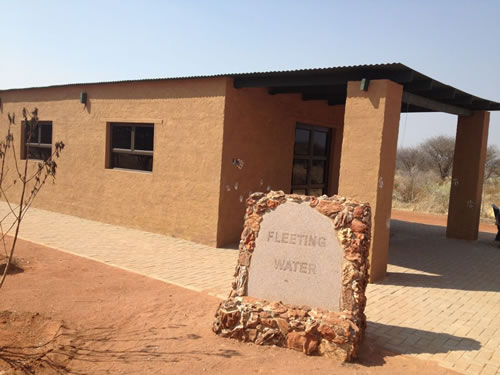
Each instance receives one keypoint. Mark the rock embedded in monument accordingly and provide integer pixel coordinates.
(301, 275)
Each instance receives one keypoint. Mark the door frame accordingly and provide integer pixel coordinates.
(310, 157)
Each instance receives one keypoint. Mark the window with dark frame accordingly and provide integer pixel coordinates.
(311, 157)
(37, 140)
(132, 146)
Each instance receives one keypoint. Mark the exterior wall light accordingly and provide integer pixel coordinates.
(364, 84)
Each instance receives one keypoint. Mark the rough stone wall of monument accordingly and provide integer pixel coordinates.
(311, 330)
(180, 197)
(259, 129)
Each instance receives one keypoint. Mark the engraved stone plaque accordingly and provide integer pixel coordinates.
(297, 258)
(301, 275)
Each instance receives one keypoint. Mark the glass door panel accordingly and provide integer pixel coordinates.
(311, 160)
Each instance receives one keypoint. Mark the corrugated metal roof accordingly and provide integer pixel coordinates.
(233, 75)
(112, 82)
(306, 80)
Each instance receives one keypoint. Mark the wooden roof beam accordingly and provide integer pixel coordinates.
(336, 102)
(433, 105)
(284, 90)
(291, 80)
(422, 85)
(481, 104)
(462, 100)
(323, 97)
(325, 90)
(448, 93)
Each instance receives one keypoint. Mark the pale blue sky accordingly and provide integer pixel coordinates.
(456, 42)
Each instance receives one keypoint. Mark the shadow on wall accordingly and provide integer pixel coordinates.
(402, 340)
(430, 260)
(374, 99)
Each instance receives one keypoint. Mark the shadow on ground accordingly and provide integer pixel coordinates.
(403, 340)
(448, 263)
(13, 269)
(70, 350)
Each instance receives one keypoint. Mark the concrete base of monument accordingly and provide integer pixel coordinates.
(304, 251)
(311, 331)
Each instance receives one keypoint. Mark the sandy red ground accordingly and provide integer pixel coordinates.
(69, 315)
(433, 219)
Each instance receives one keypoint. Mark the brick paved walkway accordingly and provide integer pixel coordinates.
(440, 300)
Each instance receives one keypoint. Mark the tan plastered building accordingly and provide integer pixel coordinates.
(180, 156)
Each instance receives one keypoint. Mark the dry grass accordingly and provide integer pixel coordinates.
(491, 195)
(425, 192)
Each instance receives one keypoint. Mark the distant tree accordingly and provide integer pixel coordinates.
(419, 169)
(410, 160)
(440, 151)
(492, 164)
(30, 176)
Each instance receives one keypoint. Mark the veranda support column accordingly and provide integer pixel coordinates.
(368, 159)
(467, 176)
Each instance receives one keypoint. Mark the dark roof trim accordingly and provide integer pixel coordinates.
(330, 84)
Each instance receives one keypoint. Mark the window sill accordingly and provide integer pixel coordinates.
(131, 170)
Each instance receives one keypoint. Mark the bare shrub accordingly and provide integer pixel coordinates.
(423, 173)
(492, 164)
(30, 176)
(440, 151)
(491, 195)
(411, 160)
(407, 187)
(435, 197)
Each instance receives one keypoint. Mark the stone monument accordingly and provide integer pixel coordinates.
(301, 275)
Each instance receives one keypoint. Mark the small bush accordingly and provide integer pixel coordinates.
(407, 188)
(491, 195)
(423, 174)
(435, 197)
